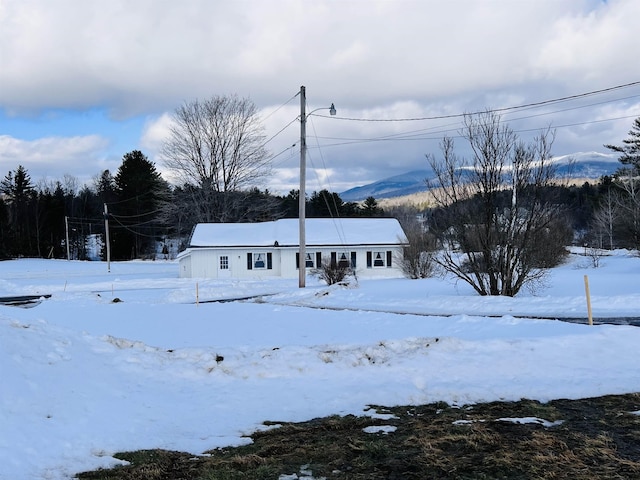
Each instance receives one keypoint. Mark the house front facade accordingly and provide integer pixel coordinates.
(371, 246)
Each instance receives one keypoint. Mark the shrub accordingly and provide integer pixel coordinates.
(332, 272)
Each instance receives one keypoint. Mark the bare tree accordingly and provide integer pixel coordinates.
(216, 144)
(628, 205)
(495, 219)
(417, 256)
(216, 150)
(604, 220)
(628, 179)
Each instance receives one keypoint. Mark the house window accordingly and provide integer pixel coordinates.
(309, 261)
(343, 259)
(259, 261)
(379, 259)
(224, 262)
(312, 259)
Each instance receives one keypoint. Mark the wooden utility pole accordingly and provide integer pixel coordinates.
(66, 228)
(106, 237)
(302, 201)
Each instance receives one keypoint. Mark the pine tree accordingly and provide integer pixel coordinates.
(139, 189)
(630, 150)
(20, 195)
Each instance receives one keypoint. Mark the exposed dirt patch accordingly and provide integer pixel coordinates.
(577, 439)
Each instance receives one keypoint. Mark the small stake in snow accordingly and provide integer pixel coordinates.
(586, 289)
(197, 295)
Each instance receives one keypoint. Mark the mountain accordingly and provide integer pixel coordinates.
(581, 165)
(396, 186)
(588, 165)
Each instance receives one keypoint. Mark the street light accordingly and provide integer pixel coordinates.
(302, 260)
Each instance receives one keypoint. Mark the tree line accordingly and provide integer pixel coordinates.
(59, 218)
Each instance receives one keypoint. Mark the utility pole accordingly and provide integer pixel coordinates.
(106, 234)
(66, 228)
(302, 201)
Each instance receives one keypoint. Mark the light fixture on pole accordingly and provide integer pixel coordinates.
(302, 200)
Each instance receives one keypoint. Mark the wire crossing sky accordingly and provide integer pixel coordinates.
(84, 83)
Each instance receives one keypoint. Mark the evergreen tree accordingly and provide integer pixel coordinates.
(290, 204)
(105, 187)
(4, 230)
(139, 190)
(325, 204)
(19, 196)
(630, 150)
(370, 208)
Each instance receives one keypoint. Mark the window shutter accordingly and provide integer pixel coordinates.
(318, 259)
(297, 259)
(249, 261)
(334, 259)
(388, 258)
(369, 260)
(269, 261)
(353, 259)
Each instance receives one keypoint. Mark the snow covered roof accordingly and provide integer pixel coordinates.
(318, 231)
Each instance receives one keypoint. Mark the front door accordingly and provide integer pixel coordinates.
(223, 267)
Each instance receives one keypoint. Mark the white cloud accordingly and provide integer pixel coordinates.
(156, 130)
(136, 57)
(53, 157)
(373, 59)
(593, 45)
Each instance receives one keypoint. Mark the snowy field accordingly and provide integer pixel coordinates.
(84, 377)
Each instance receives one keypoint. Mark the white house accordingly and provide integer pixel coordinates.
(371, 246)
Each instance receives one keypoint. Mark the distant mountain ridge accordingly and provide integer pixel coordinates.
(587, 165)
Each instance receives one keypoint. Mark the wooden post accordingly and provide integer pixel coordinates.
(106, 239)
(66, 229)
(197, 295)
(586, 289)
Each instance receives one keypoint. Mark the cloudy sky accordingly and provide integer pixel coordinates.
(82, 82)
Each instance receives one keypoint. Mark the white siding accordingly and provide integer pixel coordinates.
(203, 261)
(185, 266)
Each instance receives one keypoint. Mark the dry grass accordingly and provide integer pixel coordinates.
(598, 438)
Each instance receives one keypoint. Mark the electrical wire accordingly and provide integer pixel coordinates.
(281, 106)
(335, 219)
(130, 227)
(135, 216)
(494, 110)
(433, 134)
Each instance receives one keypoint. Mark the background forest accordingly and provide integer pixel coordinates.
(145, 213)
(216, 151)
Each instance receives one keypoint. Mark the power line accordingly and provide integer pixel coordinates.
(493, 110)
(129, 228)
(437, 135)
(279, 132)
(281, 106)
(145, 214)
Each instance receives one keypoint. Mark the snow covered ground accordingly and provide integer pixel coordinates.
(83, 377)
